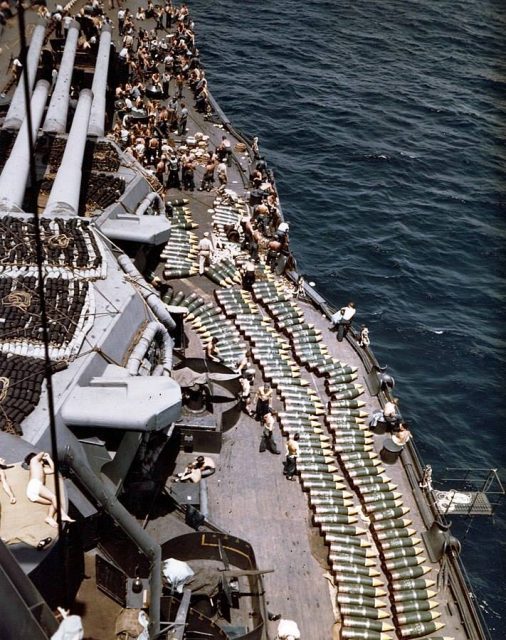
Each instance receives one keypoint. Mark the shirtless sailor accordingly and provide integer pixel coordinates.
(40, 464)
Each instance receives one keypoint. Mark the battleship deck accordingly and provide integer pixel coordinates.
(249, 497)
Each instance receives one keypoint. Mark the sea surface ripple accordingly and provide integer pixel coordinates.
(384, 123)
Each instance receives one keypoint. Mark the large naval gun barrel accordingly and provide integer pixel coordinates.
(15, 172)
(56, 117)
(64, 195)
(17, 108)
(97, 117)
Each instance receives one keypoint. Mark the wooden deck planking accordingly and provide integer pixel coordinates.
(272, 514)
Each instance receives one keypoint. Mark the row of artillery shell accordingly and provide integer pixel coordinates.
(219, 276)
(344, 404)
(348, 567)
(411, 631)
(208, 321)
(382, 503)
(402, 560)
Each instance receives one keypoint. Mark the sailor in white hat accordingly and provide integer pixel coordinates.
(205, 249)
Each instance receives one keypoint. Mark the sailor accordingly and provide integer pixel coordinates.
(224, 150)
(282, 232)
(160, 170)
(364, 340)
(188, 174)
(342, 320)
(274, 248)
(183, 119)
(57, 17)
(263, 400)
(245, 394)
(121, 20)
(222, 173)
(208, 179)
(254, 148)
(300, 290)
(262, 218)
(390, 414)
(190, 474)
(205, 250)
(402, 436)
(168, 15)
(256, 180)
(179, 85)
(40, 465)
(71, 627)
(211, 351)
(267, 441)
(248, 277)
(173, 178)
(261, 166)
(292, 451)
(247, 229)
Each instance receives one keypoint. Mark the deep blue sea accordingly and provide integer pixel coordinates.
(385, 124)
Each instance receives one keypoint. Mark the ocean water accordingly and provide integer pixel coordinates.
(384, 122)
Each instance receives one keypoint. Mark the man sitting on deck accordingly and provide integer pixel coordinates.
(201, 467)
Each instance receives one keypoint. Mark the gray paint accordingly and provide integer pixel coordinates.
(67, 185)
(97, 117)
(56, 118)
(17, 109)
(16, 169)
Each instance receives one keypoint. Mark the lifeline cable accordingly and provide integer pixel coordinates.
(43, 313)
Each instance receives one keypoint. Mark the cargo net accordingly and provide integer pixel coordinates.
(70, 309)
(20, 388)
(68, 246)
(373, 551)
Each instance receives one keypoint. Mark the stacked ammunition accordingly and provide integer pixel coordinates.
(105, 157)
(20, 390)
(70, 304)
(223, 273)
(402, 559)
(181, 251)
(351, 557)
(67, 246)
(363, 613)
(325, 461)
(227, 215)
(209, 322)
(181, 217)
